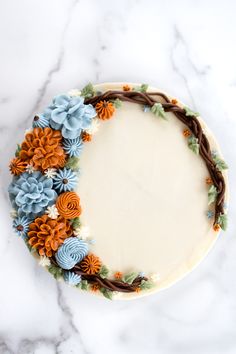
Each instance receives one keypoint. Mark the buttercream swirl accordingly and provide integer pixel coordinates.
(71, 252)
(68, 205)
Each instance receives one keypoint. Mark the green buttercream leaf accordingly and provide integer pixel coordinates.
(212, 194)
(190, 113)
(107, 293)
(117, 103)
(73, 163)
(104, 271)
(30, 248)
(130, 277)
(146, 284)
(55, 271)
(18, 149)
(223, 221)
(83, 285)
(88, 91)
(142, 88)
(75, 223)
(193, 144)
(158, 110)
(220, 164)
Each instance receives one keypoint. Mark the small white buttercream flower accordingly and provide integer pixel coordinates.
(44, 261)
(93, 127)
(52, 212)
(74, 93)
(50, 172)
(82, 232)
(30, 169)
(155, 277)
(13, 213)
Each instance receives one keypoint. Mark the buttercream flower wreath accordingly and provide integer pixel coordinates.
(45, 172)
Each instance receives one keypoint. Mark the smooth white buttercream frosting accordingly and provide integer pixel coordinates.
(144, 196)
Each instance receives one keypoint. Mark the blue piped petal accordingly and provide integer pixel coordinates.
(71, 252)
(72, 278)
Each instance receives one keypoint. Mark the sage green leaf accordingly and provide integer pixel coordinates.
(220, 164)
(190, 113)
(130, 277)
(146, 284)
(88, 91)
(55, 271)
(223, 221)
(117, 103)
(142, 88)
(193, 144)
(83, 285)
(30, 248)
(107, 293)
(73, 163)
(18, 149)
(104, 271)
(212, 194)
(75, 223)
(158, 110)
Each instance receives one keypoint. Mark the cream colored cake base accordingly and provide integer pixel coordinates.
(144, 196)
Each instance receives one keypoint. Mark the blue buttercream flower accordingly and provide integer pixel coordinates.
(21, 226)
(73, 147)
(40, 121)
(70, 115)
(210, 214)
(72, 278)
(71, 252)
(65, 180)
(31, 193)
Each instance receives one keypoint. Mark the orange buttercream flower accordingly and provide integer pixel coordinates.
(105, 110)
(216, 227)
(17, 166)
(86, 137)
(186, 133)
(91, 264)
(209, 181)
(68, 205)
(95, 287)
(46, 234)
(174, 101)
(42, 149)
(118, 275)
(126, 88)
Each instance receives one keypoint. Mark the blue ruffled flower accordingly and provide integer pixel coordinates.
(30, 194)
(71, 252)
(72, 278)
(65, 180)
(70, 115)
(73, 147)
(21, 226)
(40, 121)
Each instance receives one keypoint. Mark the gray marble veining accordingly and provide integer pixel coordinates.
(184, 47)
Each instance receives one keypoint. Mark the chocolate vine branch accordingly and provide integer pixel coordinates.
(193, 124)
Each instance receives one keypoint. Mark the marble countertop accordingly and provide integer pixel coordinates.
(187, 48)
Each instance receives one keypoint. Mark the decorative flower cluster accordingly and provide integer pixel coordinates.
(45, 174)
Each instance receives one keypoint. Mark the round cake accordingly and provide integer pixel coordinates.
(119, 189)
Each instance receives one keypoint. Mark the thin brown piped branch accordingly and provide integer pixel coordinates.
(193, 124)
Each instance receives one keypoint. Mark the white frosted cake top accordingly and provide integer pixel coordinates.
(144, 195)
(150, 184)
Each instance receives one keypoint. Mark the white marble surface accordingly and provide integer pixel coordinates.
(184, 47)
